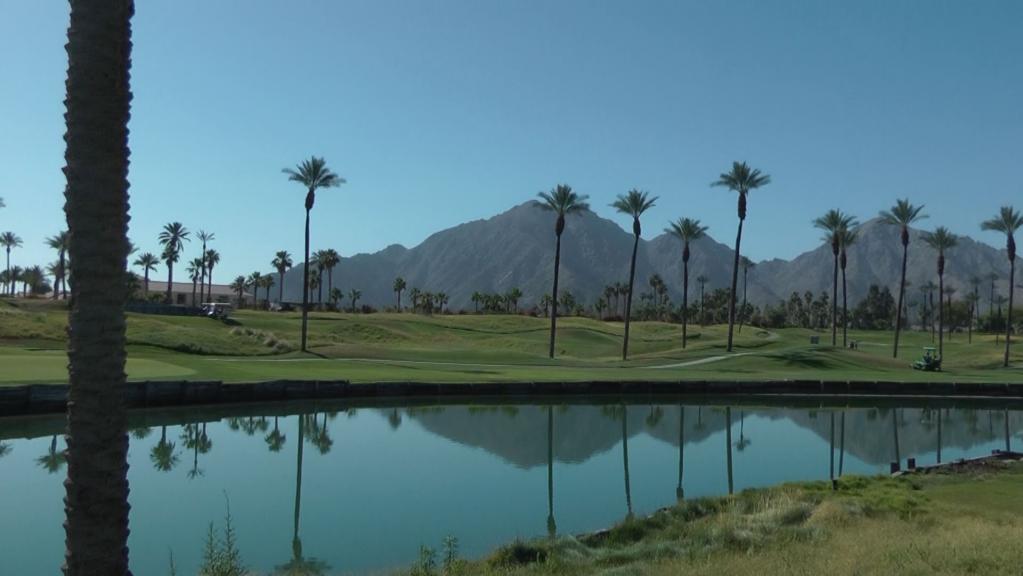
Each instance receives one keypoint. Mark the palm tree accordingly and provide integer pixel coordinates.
(746, 264)
(238, 286)
(354, 296)
(281, 263)
(635, 203)
(513, 296)
(313, 174)
(835, 224)
(59, 242)
(212, 259)
(331, 258)
(255, 281)
(442, 301)
(398, 287)
(476, 299)
(268, 283)
(10, 240)
(1007, 222)
(702, 281)
(741, 179)
(54, 459)
(148, 262)
(275, 439)
(163, 454)
(941, 240)
(96, 169)
(993, 277)
(172, 238)
(414, 295)
(687, 230)
(903, 215)
(846, 239)
(319, 259)
(927, 293)
(562, 201)
(204, 237)
(195, 272)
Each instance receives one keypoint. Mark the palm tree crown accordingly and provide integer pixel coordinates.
(835, 223)
(1007, 222)
(940, 240)
(742, 179)
(563, 201)
(634, 203)
(903, 215)
(173, 236)
(313, 174)
(687, 229)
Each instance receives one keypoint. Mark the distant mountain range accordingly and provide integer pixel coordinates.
(516, 249)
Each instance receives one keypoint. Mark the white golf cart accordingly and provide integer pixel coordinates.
(217, 310)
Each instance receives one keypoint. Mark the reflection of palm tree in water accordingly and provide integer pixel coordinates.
(939, 435)
(895, 429)
(53, 460)
(552, 527)
(728, 446)
(679, 492)
(162, 455)
(141, 433)
(625, 459)
(394, 419)
(321, 435)
(4, 449)
(191, 440)
(841, 448)
(275, 439)
(743, 440)
(300, 565)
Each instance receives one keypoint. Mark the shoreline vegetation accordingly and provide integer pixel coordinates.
(957, 519)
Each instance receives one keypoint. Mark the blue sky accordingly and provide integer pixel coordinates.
(445, 111)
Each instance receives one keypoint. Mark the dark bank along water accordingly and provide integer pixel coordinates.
(360, 490)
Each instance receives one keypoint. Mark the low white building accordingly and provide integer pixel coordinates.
(181, 294)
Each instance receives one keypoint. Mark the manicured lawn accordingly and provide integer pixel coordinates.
(963, 523)
(469, 348)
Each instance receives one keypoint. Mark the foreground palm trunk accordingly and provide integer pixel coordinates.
(628, 297)
(98, 107)
(902, 292)
(685, 295)
(559, 228)
(735, 273)
(1008, 323)
(305, 271)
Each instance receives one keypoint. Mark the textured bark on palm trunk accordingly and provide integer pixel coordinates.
(98, 107)
(554, 297)
(305, 274)
(628, 297)
(685, 295)
(1008, 323)
(941, 309)
(834, 302)
(735, 283)
(902, 294)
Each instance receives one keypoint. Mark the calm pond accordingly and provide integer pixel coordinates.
(359, 490)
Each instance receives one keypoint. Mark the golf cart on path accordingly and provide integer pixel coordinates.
(931, 362)
(217, 310)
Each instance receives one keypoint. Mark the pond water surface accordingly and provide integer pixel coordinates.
(359, 490)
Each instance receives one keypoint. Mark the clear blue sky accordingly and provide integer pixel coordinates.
(444, 111)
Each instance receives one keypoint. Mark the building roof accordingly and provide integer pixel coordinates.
(186, 288)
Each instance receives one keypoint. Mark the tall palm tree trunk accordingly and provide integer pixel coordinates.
(551, 526)
(145, 283)
(305, 276)
(731, 296)
(941, 318)
(845, 311)
(742, 310)
(280, 289)
(296, 543)
(679, 490)
(1008, 323)
(902, 295)
(685, 301)
(628, 298)
(10, 280)
(98, 104)
(170, 282)
(834, 302)
(625, 457)
(554, 294)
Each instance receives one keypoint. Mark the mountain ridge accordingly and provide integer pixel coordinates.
(515, 249)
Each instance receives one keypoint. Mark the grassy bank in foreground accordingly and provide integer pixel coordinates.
(449, 348)
(969, 522)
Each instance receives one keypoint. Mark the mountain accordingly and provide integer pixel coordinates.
(516, 249)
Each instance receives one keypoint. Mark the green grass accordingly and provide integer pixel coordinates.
(941, 523)
(469, 348)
